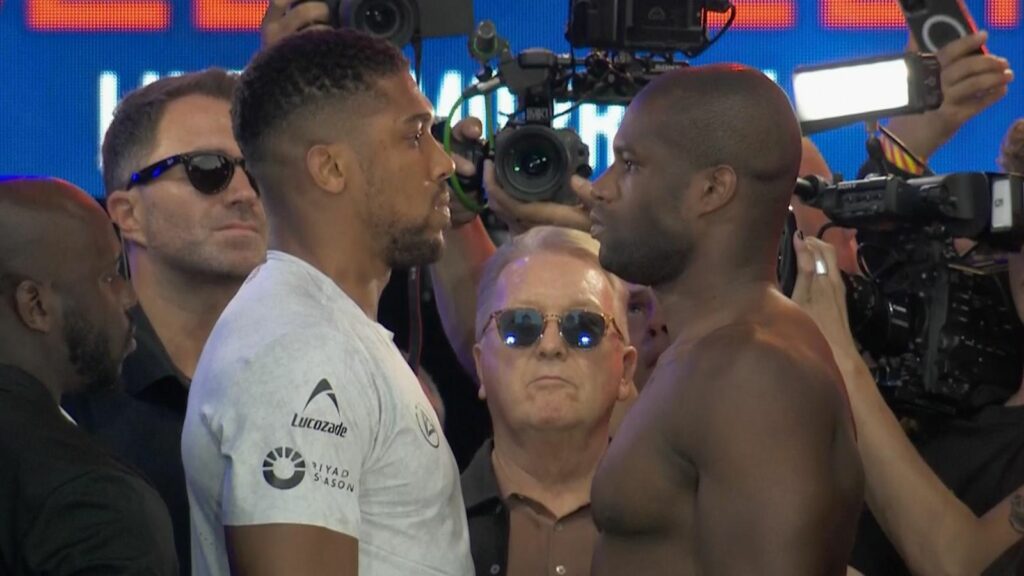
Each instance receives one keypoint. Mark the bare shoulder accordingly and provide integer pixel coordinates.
(767, 378)
(747, 358)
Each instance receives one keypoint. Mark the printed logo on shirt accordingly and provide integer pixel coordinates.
(427, 427)
(284, 468)
(331, 476)
(319, 416)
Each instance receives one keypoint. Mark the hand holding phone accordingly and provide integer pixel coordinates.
(936, 23)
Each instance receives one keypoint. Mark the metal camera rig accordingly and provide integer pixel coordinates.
(632, 42)
(940, 326)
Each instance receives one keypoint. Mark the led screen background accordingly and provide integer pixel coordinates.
(64, 64)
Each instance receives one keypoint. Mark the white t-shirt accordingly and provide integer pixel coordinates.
(303, 411)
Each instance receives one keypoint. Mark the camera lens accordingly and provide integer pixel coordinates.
(392, 20)
(380, 18)
(532, 162)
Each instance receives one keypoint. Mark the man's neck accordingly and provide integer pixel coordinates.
(181, 310)
(705, 298)
(552, 468)
(350, 262)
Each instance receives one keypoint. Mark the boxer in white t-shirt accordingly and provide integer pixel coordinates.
(309, 446)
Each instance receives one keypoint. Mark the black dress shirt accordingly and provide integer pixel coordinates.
(67, 506)
(141, 420)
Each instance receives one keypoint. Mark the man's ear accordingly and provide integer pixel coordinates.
(327, 165)
(481, 392)
(126, 211)
(627, 387)
(718, 188)
(36, 305)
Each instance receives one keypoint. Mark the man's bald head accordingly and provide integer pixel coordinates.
(706, 161)
(64, 307)
(727, 115)
(40, 220)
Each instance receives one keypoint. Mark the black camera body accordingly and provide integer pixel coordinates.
(641, 25)
(941, 327)
(399, 21)
(533, 161)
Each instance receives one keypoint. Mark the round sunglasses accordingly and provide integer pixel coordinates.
(522, 327)
(208, 172)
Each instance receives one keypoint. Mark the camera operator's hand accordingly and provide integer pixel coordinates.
(970, 84)
(819, 291)
(521, 216)
(282, 19)
(468, 129)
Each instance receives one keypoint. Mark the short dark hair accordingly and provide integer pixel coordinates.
(301, 73)
(132, 133)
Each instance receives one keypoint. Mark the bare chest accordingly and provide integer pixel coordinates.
(644, 485)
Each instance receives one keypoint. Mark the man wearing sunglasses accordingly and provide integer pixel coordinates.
(739, 456)
(309, 445)
(553, 359)
(193, 228)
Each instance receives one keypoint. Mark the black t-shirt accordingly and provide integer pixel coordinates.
(982, 461)
(140, 422)
(67, 506)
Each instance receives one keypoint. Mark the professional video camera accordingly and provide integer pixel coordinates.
(636, 40)
(402, 21)
(940, 326)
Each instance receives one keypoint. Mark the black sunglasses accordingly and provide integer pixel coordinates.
(522, 327)
(209, 173)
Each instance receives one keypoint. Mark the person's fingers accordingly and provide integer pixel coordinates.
(306, 14)
(972, 66)
(275, 10)
(497, 199)
(961, 47)
(280, 23)
(490, 180)
(583, 188)
(804, 270)
(468, 129)
(992, 96)
(463, 166)
(965, 91)
(519, 215)
(827, 282)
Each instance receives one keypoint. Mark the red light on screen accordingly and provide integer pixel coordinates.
(97, 15)
(1002, 13)
(759, 15)
(228, 15)
(862, 14)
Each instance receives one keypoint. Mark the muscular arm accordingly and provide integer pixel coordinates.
(282, 549)
(778, 481)
(934, 531)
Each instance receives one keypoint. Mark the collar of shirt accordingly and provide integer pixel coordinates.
(25, 387)
(479, 484)
(330, 294)
(149, 370)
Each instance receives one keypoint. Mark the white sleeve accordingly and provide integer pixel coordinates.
(296, 433)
